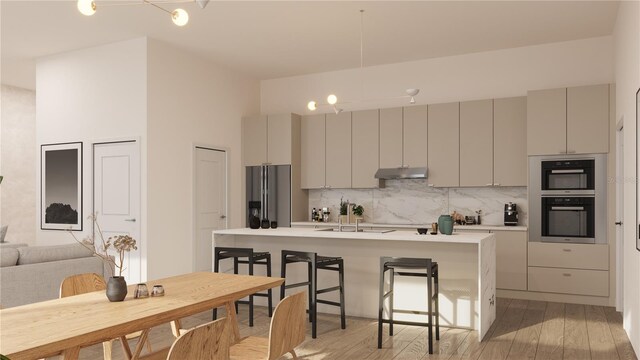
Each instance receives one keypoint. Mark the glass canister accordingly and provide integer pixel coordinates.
(445, 224)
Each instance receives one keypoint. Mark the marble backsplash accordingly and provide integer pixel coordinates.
(413, 202)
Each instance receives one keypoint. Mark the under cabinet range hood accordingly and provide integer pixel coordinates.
(401, 173)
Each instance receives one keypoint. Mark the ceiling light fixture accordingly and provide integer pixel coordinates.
(332, 99)
(179, 16)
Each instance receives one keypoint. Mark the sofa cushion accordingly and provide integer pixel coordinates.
(41, 254)
(12, 245)
(3, 232)
(8, 257)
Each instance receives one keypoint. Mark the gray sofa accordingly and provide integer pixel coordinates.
(31, 274)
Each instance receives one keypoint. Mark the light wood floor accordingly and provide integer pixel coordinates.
(523, 330)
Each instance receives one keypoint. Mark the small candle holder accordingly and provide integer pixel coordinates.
(158, 290)
(141, 292)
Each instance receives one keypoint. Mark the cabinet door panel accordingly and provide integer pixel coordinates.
(547, 122)
(391, 138)
(510, 141)
(443, 144)
(415, 130)
(511, 260)
(365, 147)
(254, 140)
(312, 145)
(588, 119)
(338, 150)
(476, 143)
(279, 139)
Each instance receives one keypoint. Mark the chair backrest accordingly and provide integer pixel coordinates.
(210, 341)
(81, 284)
(288, 325)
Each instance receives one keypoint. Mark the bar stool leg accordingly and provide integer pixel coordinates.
(391, 288)
(251, 296)
(437, 296)
(343, 318)
(314, 303)
(380, 303)
(216, 268)
(269, 292)
(283, 274)
(310, 279)
(430, 310)
(235, 271)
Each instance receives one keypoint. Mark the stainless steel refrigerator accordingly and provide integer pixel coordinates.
(269, 190)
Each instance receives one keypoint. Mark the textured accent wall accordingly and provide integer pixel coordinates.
(18, 161)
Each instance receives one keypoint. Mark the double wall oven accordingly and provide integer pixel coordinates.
(567, 198)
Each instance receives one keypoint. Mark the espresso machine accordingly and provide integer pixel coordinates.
(510, 214)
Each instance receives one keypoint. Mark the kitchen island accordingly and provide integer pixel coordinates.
(466, 264)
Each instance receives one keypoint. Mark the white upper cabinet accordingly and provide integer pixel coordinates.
(568, 121)
(312, 151)
(547, 122)
(476, 143)
(365, 148)
(279, 139)
(588, 119)
(415, 133)
(510, 141)
(444, 145)
(391, 138)
(338, 150)
(254, 140)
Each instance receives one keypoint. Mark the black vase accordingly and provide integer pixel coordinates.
(116, 288)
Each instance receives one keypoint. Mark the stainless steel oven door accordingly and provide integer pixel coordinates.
(568, 219)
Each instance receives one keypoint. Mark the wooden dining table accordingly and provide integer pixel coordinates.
(64, 326)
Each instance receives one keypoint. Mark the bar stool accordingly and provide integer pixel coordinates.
(431, 273)
(252, 258)
(315, 263)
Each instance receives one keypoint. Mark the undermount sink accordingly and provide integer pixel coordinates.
(353, 229)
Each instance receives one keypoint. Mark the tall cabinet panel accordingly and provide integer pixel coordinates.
(391, 138)
(338, 150)
(476, 143)
(365, 148)
(546, 122)
(312, 151)
(588, 119)
(416, 131)
(510, 141)
(279, 139)
(444, 145)
(254, 141)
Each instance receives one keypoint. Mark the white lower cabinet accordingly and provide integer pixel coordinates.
(575, 269)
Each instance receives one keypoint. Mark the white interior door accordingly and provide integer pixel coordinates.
(210, 200)
(619, 217)
(116, 192)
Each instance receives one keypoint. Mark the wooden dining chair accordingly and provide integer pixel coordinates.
(210, 341)
(288, 328)
(84, 283)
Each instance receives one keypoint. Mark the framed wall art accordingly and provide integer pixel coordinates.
(61, 186)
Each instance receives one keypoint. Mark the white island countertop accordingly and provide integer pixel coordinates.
(412, 226)
(397, 235)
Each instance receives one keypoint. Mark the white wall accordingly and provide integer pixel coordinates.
(98, 93)
(18, 154)
(191, 101)
(627, 72)
(485, 75)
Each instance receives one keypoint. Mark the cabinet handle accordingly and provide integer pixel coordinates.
(566, 250)
(496, 184)
(328, 187)
(430, 185)
(489, 184)
(566, 274)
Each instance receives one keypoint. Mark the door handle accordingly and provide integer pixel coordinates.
(618, 223)
(130, 220)
(223, 216)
